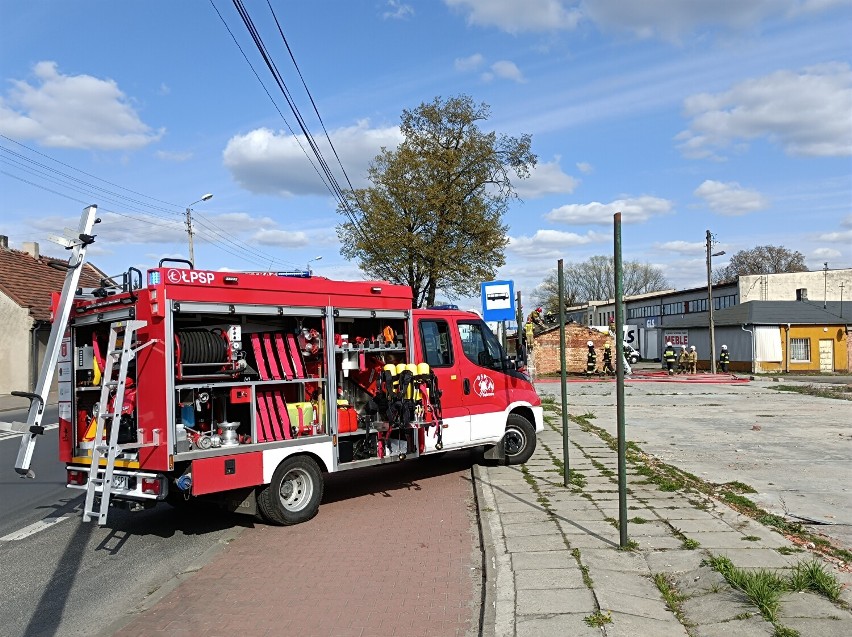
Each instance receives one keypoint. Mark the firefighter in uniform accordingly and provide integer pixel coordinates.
(607, 359)
(682, 360)
(669, 357)
(693, 359)
(591, 359)
(535, 317)
(724, 359)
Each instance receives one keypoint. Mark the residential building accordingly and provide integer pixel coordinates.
(26, 283)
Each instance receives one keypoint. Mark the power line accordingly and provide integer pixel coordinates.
(71, 183)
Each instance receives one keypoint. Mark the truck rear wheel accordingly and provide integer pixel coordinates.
(519, 439)
(294, 494)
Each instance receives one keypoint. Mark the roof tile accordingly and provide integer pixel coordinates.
(29, 281)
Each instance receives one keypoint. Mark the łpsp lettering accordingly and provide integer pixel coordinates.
(190, 276)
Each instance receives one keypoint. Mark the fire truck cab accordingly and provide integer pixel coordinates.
(248, 387)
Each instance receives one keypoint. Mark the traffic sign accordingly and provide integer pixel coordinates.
(498, 300)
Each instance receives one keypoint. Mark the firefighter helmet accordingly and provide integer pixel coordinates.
(590, 344)
(668, 343)
(724, 347)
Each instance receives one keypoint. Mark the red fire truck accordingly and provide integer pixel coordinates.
(248, 387)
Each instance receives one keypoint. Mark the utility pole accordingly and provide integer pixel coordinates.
(825, 284)
(189, 231)
(710, 256)
(841, 299)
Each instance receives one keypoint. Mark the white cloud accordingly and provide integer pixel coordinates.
(844, 236)
(668, 19)
(551, 243)
(281, 238)
(826, 253)
(517, 16)
(585, 167)
(847, 222)
(397, 10)
(806, 113)
(173, 155)
(72, 111)
(268, 162)
(673, 19)
(633, 210)
(682, 247)
(470, 63)
(730, 198)
(506, 70)
(545, 179)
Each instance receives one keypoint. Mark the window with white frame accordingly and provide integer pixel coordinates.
(800, 350)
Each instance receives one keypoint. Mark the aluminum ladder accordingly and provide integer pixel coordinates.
(122, 349)
(38, 399)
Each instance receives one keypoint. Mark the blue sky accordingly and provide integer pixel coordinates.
(724, 115)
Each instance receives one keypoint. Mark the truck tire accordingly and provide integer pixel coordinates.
(519, 439)
(294, 494)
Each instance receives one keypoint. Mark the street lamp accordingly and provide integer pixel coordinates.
(189, 232)
(710, 300)
(319, 258)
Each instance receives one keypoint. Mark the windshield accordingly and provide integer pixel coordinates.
(480, 346)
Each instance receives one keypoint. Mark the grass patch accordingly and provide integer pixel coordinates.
(638, 520)
(750, 538)
(762, 587)
(739, 501)
(784, 631)
(584, 570)
(632, 545)
(674, 599)
(840, 392)
(789, 550)
(690, 544)
(813, 576)
(598, 619)
(738, 487)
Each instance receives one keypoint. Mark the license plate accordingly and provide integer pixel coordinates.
(119, 482)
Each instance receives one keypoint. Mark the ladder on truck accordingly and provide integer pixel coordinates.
(38, 399)
(122, 349)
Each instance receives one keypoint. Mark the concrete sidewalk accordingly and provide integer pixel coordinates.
(555, 568)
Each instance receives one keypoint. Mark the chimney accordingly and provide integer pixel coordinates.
(31, 247)
(4, 242)
(801, 294)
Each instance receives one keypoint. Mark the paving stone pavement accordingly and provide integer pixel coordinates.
(554, 566)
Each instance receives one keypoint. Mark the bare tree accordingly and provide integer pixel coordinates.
(761, 260)
(594, 279)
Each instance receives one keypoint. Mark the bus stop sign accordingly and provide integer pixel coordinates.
(498, 301)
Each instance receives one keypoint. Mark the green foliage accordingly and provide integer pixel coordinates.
(598, 619)
(433, 216)
(813, 576)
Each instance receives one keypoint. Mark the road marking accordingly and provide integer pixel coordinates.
(7, 433)
(34, 528)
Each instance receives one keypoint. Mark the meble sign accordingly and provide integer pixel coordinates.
(190, 276)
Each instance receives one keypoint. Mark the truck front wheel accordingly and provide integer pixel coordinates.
(519, 439)
(294, 494)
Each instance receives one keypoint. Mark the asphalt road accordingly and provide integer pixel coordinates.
(74, 578)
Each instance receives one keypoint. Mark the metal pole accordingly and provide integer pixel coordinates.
(710, 304)
(841, 300)
(825, 284)
(564, 381)
(189, 232)
(619, 385)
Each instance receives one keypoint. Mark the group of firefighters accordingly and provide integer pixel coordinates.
(608, 365)
(687, 360)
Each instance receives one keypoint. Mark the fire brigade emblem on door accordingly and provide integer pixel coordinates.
(483, 386)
